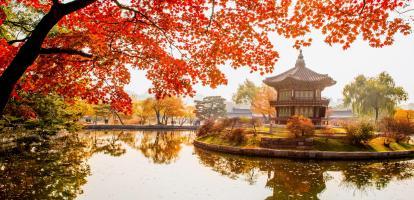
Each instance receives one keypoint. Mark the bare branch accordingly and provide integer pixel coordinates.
(405, 11)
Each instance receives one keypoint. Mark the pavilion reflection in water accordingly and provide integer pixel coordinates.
(59, 169)
(294, 179)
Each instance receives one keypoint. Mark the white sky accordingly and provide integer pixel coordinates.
(342, 65)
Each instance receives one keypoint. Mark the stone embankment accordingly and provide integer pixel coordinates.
(304, 154)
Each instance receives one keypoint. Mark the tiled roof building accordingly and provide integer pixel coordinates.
(299, 93)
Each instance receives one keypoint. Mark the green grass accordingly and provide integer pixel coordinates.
(378, 145)
(324, 144)
(251, 142)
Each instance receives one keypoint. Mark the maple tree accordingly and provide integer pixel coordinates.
(83, 48)
(143, 110)
(300, 126)
(166, 108)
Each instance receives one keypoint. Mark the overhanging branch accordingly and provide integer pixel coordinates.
(65, 51)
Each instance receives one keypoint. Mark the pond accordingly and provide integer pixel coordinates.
(165, 165)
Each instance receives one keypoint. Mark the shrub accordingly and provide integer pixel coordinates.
(360, 132)
(255, 122)
(237, 136)
(300, 126)
(219, 126)
(397, 129)
(231, 122)
(205, 129)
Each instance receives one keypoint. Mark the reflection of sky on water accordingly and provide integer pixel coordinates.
(165, 165)
(197, 174)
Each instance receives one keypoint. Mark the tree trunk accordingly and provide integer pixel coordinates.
(30, 50)
(376, 114)
(264, 116)
(158, 117)
(120, 120)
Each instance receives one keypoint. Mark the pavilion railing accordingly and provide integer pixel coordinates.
(301, 102)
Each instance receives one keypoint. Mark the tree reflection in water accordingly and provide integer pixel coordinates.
(293, 179)
(361, 175)
(54, 170)
(58, 169)
(107, 144)
(161, 147)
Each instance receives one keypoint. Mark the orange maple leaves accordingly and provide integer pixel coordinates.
(182, 43)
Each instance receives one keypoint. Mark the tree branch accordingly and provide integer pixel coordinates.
(363, 7)
(212, 15)
(73, 6)
(170, 42)
(55, 1)
(17, 40)
(65, 51)
(402, 12)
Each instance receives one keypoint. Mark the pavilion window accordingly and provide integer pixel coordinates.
(285, 95)
(304, 111)
(304, 94)
(318, 94)
(284, 112)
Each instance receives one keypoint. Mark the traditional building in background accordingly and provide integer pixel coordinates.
(234, 110)
(299, 93)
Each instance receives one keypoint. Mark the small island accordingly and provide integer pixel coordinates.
(300, 139)
(301, 128)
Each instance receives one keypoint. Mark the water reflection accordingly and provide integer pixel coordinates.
(159, 147)
(290, 179)
(55, 170)
(136, 164)
(110, 144)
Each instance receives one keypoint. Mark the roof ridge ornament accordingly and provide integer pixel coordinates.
(300, 62)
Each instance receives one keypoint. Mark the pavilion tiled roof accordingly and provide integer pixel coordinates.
(300, 73)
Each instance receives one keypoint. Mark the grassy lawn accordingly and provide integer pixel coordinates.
(251, 142)
(378, 145)
(320, 144)
(324, 144)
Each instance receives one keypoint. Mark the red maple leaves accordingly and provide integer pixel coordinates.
(182, 43)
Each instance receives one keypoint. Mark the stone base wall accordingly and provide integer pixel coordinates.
(286, 143)
(298, 154)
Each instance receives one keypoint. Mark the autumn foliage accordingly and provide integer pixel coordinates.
(90, 49)
(300, 126)
(399, 129)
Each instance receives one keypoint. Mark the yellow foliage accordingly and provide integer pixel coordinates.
(404, 115)
(260, 103)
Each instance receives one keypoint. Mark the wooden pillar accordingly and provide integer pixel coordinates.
(277, 111)
(277, 95)
(323, 112)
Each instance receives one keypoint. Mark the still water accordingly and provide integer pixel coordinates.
(165, 165)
